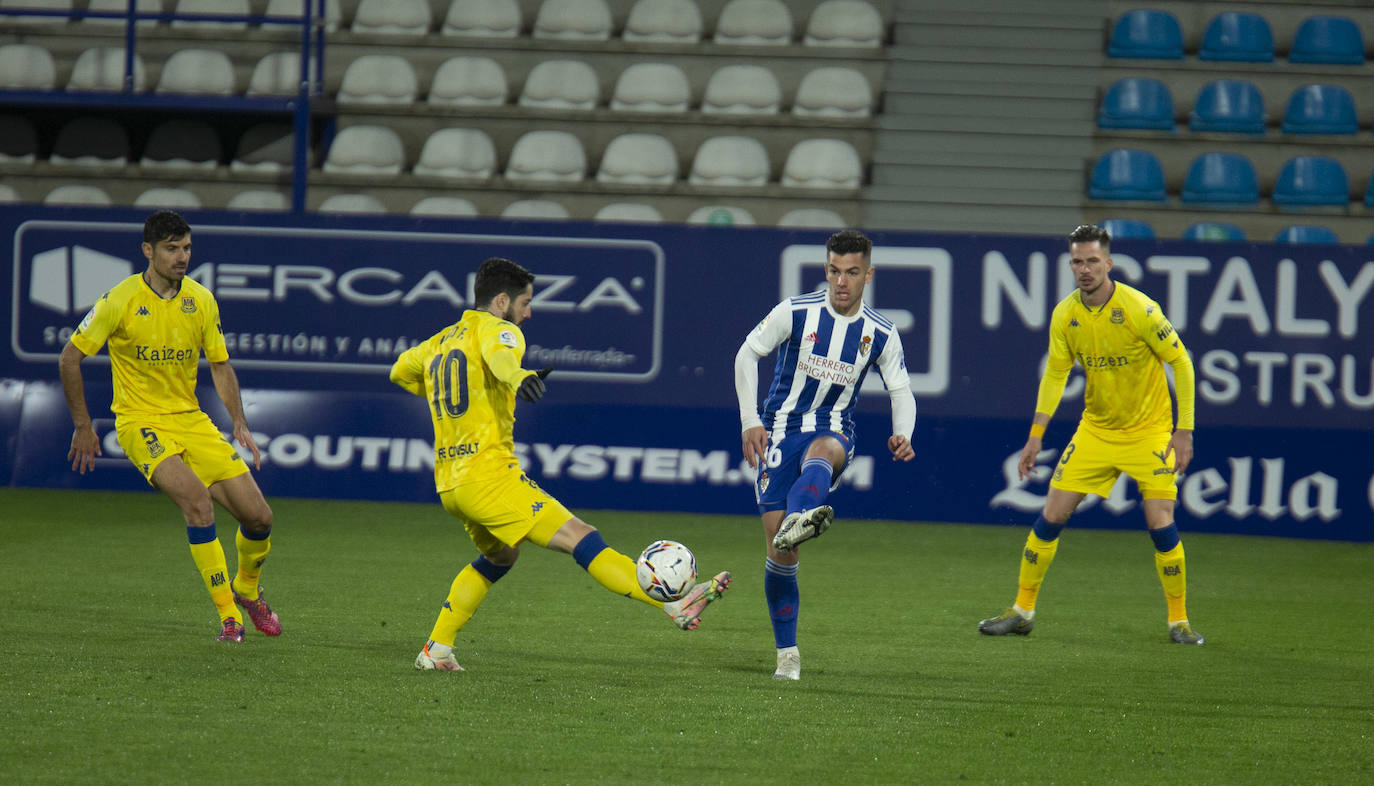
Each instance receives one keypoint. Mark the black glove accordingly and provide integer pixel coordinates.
(532, 386)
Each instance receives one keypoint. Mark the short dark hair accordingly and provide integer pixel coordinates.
(497, 275)
(849, 241)
(1091, 233)
(164, 225)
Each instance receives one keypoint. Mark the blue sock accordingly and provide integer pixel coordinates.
(780, 590)
(490, 570)
(1165, 538)
(812, 486)
(586, 549)
(1045, 530)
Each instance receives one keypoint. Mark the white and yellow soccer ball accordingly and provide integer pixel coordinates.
(666, 570)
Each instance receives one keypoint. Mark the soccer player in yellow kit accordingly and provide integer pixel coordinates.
(1121, 338)
(156, 324)
(470, 375)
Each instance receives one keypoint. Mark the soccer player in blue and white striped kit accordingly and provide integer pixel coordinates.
(827, 341)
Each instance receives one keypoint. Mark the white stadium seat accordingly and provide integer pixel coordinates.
(441, 206)
(561, 84)
(77, 195)
(833, 91)
(573, 20)
(634, 212)
(730, 162)
(812, 218)
(458, 153)
(535, 208)
(754, 23)
(167, 198)
(277, 74)
(663, 22)
(844, 23)
(378, 79)
(742, 90)
(651, 87)
(8, 194)
(26, 67)
(366, 150)
(639, 159)
(721, 216)
(102, 69)
(547, 155)
(352, 203)
(482, 19)
(392, 17)
(823, 163)
(255, 199)
(469, 81)
(197, 71)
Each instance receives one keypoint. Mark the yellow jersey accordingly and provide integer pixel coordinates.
(155, 344)
(468, 372)
(1121, 346)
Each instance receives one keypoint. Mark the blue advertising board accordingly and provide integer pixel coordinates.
(642, 322)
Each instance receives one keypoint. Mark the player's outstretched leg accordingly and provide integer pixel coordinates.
(686, 613)
(803, 526)
(253, 546)
(1041, 544)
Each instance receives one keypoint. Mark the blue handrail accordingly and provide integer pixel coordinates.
(310, 87)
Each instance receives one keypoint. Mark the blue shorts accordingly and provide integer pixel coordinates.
(783, 465)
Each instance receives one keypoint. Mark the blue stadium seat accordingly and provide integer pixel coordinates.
(1134, 102)
(1228, 105)
(1306, 234)
(1320, 109)
(1329, 40)
(1147, 34)
(1214, 231)
(1311, 180)
(1127, 174)
(1221, 178)
(1237, 37)
(1127, 228)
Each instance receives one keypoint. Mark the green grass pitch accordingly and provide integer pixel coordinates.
(112, 674)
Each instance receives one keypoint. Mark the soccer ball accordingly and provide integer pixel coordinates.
(666, 570)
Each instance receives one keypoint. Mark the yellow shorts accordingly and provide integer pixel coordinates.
(149, 439)
(504, 509)
(1091, 465)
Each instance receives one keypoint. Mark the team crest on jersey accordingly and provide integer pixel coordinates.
(507, 337)
(763, 481)
(188, 305)
(865, 345)
(1118, 316)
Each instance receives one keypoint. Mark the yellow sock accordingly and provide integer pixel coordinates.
(252, 553)
(1035, 563)
(1174, 578)
(464, 596)
(616, 572)
(209, 557)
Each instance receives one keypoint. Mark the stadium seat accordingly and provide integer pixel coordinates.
(26, 67)
(255, 199)
(845, 23)
(265, 147)
(1127, 229)
(469, 81)
(823, 163)
(812, 218)
(444, 206)
(352, 203)
(333, 13)
(7, 194)
(547, 155)
(630, 212)
(730, 162)
(458, 153)
(199, 72)
(1137, 103)
(1221, 178)
(833, 91)
(276, 74)
(1125, 174)
(78, 195)
(639, 159)
(663, 22)
(1303, 233)
(754, 23)
(1214, 231)
(1311, 180)
(41, 5)
(651, 87)
(392, 18)
(366, 150)
(215, 7)
(1320, 109)
(91, 141)
(18, 140)
(561, 84)
(742, 90)
(483, 19)
(167, 198)
(121, 7)
(1226, 105)
(721, 216)
(101, 69)
(182, 144)
(1328, 40)
(535, 208)
(1237, 36)
(573, 20)
(378, 79)
(1145, 33)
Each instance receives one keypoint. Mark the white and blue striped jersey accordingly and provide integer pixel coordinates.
(822, 361)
